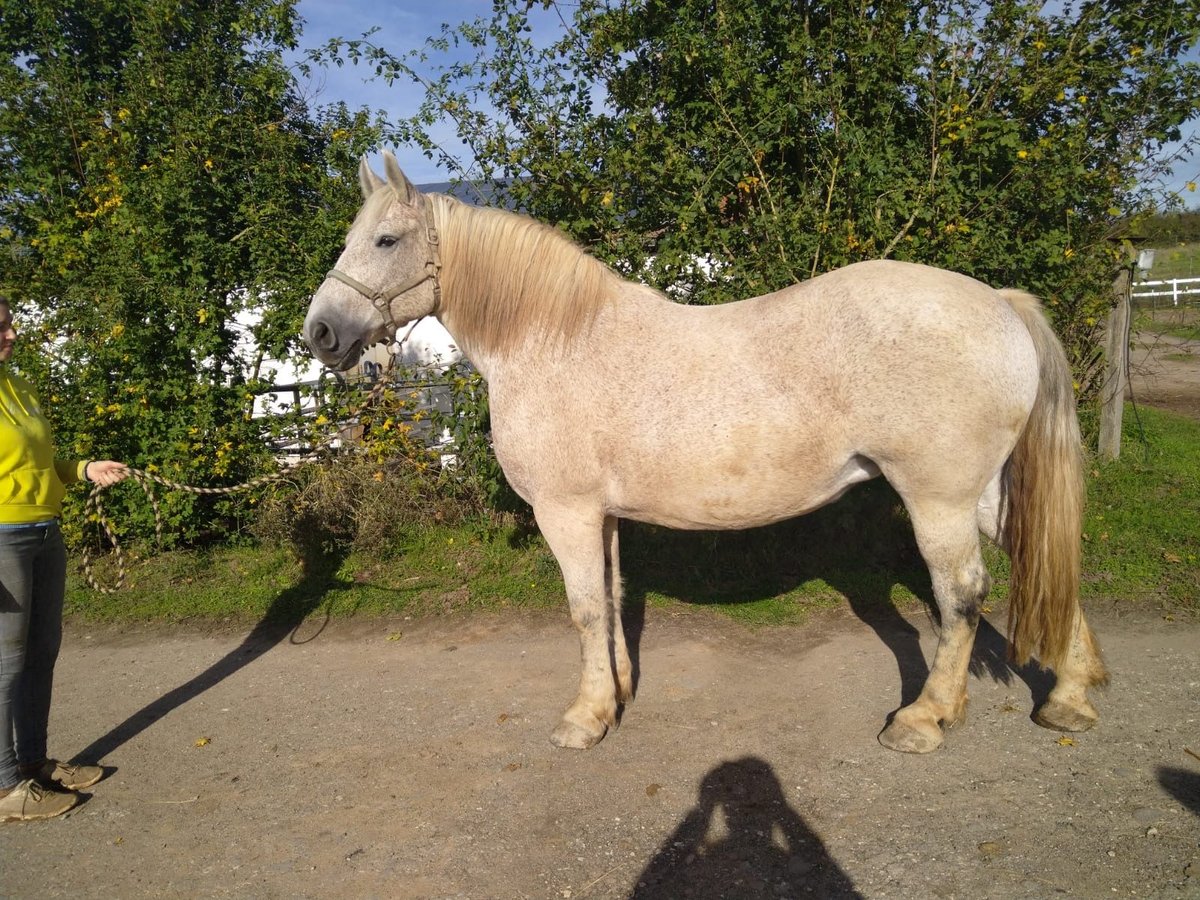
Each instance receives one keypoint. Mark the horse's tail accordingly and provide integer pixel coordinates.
(1042, 522)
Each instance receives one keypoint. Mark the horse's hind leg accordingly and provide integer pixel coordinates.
(612, 577)
(949, 542)
(1068, 707)
(578, 539)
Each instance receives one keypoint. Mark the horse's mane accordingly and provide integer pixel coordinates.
(512, 278)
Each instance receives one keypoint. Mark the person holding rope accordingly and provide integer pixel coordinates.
(33, 569)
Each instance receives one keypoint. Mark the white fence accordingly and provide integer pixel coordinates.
(1177, 291)
(429, 392)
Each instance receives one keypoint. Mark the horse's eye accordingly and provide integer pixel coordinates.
(385, 240)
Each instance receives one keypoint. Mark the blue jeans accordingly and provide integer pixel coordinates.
(33, 575)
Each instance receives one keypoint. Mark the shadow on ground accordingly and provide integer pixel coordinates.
(1183, 785)
(861, 547)
(290, 608)
(742, 840)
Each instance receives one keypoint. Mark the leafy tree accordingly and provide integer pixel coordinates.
(781, 139)
(160, 175)
(1180, 227)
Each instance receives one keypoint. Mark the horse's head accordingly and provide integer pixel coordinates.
(386, 276)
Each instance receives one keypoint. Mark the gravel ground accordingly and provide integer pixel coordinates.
(411, 759)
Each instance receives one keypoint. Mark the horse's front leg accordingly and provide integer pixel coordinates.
(576, 538)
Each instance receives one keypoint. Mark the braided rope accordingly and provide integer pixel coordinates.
(144, 479)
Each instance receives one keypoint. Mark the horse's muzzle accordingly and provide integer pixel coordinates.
(325, 346)
(320, 338)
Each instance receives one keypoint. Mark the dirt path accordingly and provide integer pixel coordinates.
(401, 759)
(1165, 373)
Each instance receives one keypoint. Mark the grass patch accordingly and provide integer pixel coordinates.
(1142, 527)
(1177, 261)
(430, 570)
(1181, 322)
(176, 586)
(1142, 543)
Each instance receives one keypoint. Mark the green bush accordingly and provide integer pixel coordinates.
(388, 477)
(357, 502)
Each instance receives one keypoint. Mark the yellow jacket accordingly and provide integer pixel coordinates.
(31, 479)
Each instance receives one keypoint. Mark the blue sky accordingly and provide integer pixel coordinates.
(404, 25)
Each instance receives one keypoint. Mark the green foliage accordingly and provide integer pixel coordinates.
(1167, 229)
(779, 140)
(356, 502)
(161, 178)
(468, 423)
(390, 478)
(1142, 545)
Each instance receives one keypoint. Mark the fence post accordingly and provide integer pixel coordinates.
(1112, 393)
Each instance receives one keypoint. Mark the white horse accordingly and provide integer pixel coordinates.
(609, 401)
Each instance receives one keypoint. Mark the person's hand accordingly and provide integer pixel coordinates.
(106, 472)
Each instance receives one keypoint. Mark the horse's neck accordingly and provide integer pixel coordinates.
(635, 315)
(512, 286)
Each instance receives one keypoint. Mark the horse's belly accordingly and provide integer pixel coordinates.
(724, 497)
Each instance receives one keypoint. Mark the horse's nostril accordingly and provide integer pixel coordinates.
(321, 337)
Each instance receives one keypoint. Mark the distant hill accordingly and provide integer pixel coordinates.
(477, 195)
(1166, 229)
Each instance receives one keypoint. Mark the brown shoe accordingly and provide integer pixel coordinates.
(30, 800)
(64, 775)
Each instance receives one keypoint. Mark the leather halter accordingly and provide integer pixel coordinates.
(382, 299)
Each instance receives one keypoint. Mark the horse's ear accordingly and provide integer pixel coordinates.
(367, 179)
(399, 181)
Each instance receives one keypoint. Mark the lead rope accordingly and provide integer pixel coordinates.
(145, 478)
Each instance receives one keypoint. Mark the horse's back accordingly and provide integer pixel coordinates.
(909, 343)
(931, 345)
(748, 412)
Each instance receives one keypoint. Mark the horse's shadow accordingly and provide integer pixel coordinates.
(861, 547)
(287, 611)
(742, 839)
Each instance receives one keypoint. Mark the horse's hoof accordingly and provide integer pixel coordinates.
(911, 738)
(1059, 716)
(574, 736)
